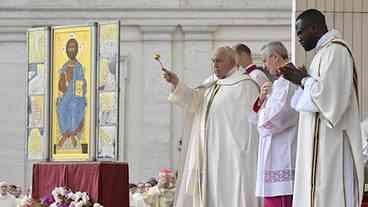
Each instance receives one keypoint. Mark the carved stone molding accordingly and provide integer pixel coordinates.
(157, 33)
(199, 33)
(15, 21)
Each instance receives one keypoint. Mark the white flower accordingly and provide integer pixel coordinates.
(85, 197)
(53, 204)
(78, 199)
(70, 195)
(77, 196)
(26, 201)
(57, 192)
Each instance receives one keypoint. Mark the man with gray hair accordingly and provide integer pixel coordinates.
(278, 130)
(6, 200)
(221, 158)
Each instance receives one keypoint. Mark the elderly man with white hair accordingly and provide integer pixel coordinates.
(221, 158)
(6, 200)
(278, 131)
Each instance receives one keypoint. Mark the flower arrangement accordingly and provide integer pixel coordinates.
(61, 197)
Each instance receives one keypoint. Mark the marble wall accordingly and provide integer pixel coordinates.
(184, 32)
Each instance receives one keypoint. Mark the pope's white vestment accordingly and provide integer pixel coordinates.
(329, 164)
(221, 157)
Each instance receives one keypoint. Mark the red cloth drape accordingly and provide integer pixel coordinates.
(278, 201)
(365, 200)
(105, 182)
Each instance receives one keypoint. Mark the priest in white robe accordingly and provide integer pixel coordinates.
(329, 165)
(244, 60)
(278, 130)
(221, 158)
(161, 195)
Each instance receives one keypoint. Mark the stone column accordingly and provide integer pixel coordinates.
(157, 150)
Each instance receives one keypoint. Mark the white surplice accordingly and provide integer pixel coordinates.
(329, 168)
(278, 128)
(364, 130)
(221, 158)
(257, 75)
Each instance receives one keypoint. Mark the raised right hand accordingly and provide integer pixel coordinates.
(170, 77)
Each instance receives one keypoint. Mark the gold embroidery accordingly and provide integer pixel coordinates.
(215, 89)
(315, 159)
(315, 150)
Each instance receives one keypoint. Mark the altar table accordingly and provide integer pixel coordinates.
(105, 182)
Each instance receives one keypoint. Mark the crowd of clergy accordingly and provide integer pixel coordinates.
(154, 193)
(277, 136)
(10, 195)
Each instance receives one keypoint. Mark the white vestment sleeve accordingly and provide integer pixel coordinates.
(182, 95)
(253, 117)
(331, 93)
(251, 94)
(278, 115)
(186, 97)
(302, 99)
